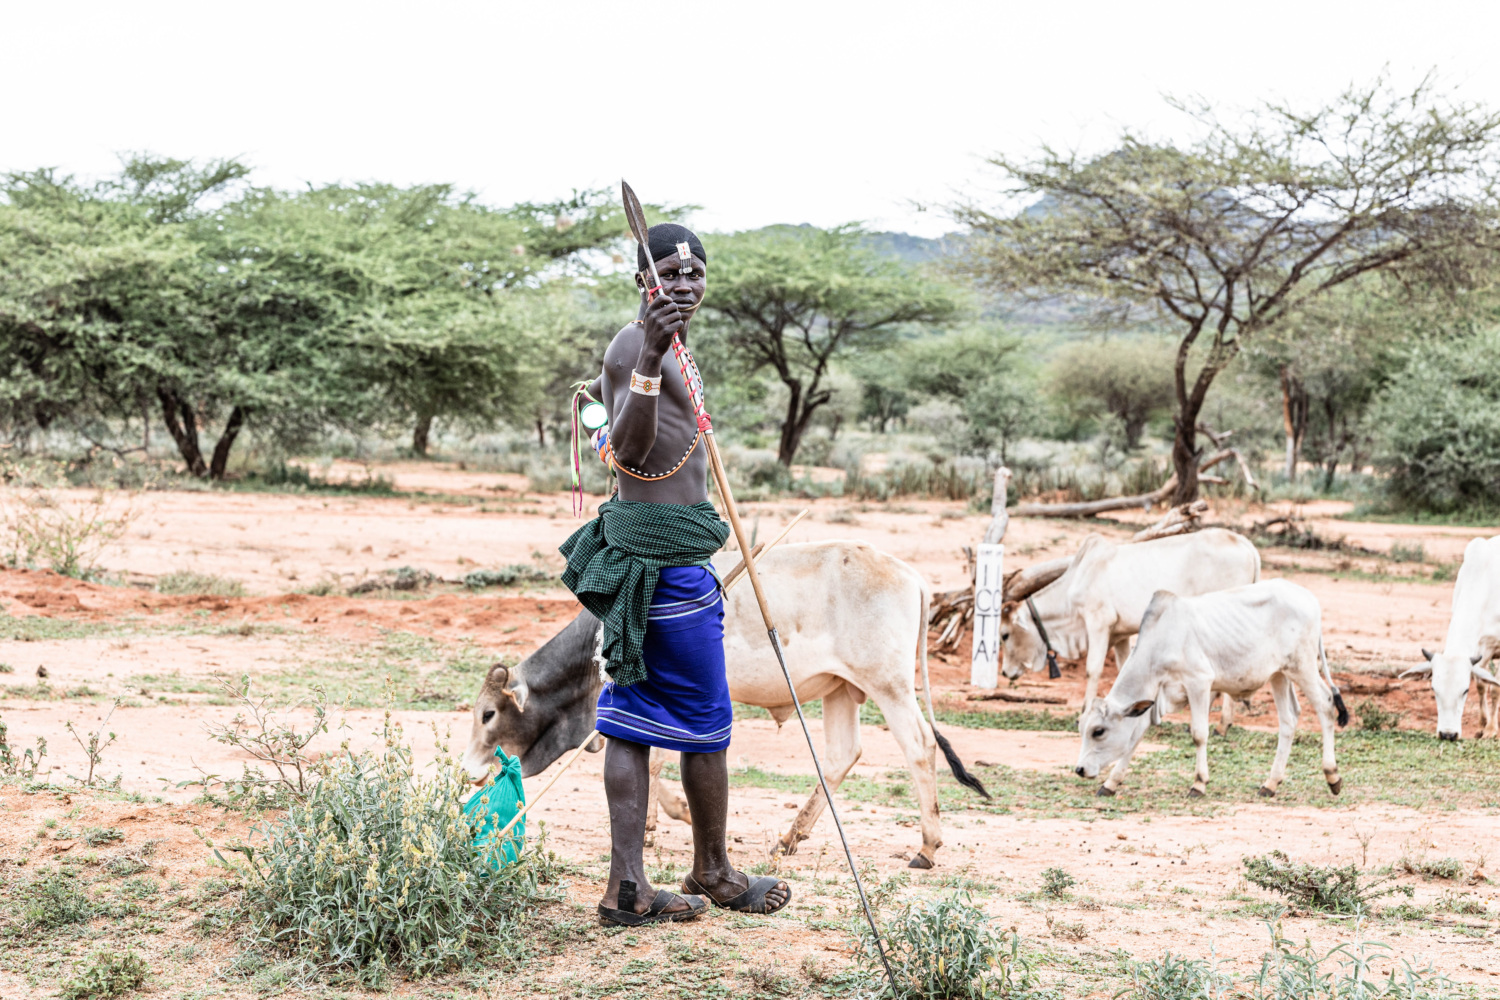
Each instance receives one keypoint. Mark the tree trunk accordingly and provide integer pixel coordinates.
(1185, 453)
(791, 427)
(541, 433)
(420, 435)
(182, 424)
(1293, 418)
(226, 441)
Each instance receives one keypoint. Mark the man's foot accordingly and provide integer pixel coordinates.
(633, 909)
(737, 891)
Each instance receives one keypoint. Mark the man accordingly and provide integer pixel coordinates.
(641, 568)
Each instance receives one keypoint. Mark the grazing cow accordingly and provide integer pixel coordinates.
(853, 622)
(1098, 603)
(1473, 641)
(1231, 642)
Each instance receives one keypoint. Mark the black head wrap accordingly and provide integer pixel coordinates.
(664, 239)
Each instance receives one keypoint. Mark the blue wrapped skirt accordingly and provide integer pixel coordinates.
(683, 704)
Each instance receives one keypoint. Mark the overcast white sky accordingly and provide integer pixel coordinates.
(761, 113)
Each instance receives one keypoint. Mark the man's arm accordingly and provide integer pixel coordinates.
(633, 426)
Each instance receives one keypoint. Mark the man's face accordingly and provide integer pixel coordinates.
(682, 281)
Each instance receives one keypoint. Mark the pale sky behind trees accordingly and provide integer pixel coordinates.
(761, 113)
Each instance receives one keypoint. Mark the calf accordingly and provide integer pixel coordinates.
(1097, 604)
(853, 622)
(1232, 642)
(1473, 641)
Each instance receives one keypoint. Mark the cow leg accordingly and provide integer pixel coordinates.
(1287, 711)
(903, 717)
(1489, 709)
(840, 750)
(1226, 713)
(1322, 703)
(1200, 704)
(1118, 772)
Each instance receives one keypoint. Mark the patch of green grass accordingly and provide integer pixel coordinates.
(1373, 718)
(1431, 868)
(53, 900)
(96, 835)
(39, 628)
(425, 673)
(201, 584)
(107, 972)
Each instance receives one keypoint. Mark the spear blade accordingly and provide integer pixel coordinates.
(637, 219)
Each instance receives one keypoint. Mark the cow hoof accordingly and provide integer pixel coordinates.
(1194, 793)
(1336, 786)
(1266, 793)
(920, 861)
(1104, 792)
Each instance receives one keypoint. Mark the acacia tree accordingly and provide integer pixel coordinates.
(1226, 235)
(795, 298)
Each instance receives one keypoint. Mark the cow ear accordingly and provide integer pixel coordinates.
(1420, 670)
(1427, 655)
(1140, 708)
(499, 674)
(1484, 675)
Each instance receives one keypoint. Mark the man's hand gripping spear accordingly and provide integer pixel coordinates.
(694, 381)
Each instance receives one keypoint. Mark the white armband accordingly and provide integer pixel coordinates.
(644, 384)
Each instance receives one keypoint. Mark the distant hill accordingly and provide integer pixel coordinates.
(914, 249)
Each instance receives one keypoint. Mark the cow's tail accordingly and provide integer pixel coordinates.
(949, 754)
(1338, 699)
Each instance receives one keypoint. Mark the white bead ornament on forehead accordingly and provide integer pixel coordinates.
(684, 251)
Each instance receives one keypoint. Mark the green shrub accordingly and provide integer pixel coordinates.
(1374, 719)
(947, 948)
(1329, 888)
(376, 869)
(1431, 868)
(107, 972)
(96, 835)
(54, 900)
(1174, 978)
(479, 579)
(204, 584)
(1056, 882)
(1438, 425)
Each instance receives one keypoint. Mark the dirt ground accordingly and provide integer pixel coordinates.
(1149, 880)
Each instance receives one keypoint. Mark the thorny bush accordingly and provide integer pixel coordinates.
(1330, 888)
(376, 870)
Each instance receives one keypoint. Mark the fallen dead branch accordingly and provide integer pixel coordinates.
(1018, 697)
(1179, 520)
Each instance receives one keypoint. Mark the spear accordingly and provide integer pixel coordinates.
(690, 376)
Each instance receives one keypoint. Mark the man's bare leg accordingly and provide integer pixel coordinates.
(627, 786)
(705, 780)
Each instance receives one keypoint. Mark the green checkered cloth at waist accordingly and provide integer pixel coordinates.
(614, 562)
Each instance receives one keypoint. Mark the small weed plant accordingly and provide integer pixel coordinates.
(23, 764)
(1329, 888)
(947, 948)
(1055, 883)
(375, 870)
(93, 748)
(256, 731)
(1373, 718)
(107, 972)
(1431, 868)
(42, 529)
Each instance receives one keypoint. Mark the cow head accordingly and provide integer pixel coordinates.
(540, 708)
(1022, 647)
(1450, 676)
(1108, 732)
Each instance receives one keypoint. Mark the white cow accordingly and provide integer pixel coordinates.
(1230, 642)
(1473, 641)
(1098, 603)
(853, 622)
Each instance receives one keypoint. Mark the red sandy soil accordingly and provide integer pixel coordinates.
(277, 542)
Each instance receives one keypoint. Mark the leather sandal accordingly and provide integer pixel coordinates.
(656, 913)
(752, 900)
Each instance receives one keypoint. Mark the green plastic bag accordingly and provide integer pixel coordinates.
(495, 805)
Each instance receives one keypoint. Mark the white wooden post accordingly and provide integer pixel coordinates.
(989, 577)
